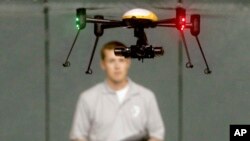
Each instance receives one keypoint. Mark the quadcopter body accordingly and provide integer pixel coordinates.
(139, 19)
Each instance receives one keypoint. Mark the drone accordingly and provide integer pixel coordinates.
(139, 19)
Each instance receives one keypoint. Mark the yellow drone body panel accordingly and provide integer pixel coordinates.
(139, 13)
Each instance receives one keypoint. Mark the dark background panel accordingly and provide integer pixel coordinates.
(21, 78)
(213, 103)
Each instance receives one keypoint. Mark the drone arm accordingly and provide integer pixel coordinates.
(166, 21)
(113, 25)
(95, 20)
(67, 63)
(166, 25)
(207, 70)
(188, 25)
(89, 70)
(98, 30)
(195, 31)
(107, 23)
(189, 63)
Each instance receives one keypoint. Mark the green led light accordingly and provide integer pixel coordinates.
(77, 19)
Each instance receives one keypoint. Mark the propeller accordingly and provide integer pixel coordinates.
(70, 10)
(91, 11)
(173, 8)
(203, 12)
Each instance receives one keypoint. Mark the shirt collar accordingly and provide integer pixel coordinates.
(132, 87)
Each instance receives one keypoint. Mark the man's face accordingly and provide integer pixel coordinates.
(116, 67)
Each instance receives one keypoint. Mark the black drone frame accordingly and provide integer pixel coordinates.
(139, 25)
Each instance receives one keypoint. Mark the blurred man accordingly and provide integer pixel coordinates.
(117, 109)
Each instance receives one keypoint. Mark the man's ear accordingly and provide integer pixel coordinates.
(129, 62)
(102, 65)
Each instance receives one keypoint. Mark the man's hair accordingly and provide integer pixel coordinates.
(110, 46)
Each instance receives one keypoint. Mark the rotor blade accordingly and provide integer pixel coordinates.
(179, 5)
(20, 10)
(97, 8)
(174, 8)
(69, 8)
(205, 13)
(65, 11)
(164, 8)
(213, 16)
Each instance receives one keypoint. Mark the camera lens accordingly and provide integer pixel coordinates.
(158, 51)
(119, 51)
(139, 51)
(122, 51)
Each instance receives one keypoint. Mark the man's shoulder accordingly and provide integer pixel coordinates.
(92, 92)
(143, 91)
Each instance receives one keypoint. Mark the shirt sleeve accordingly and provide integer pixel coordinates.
(155, 125)
(81, 121)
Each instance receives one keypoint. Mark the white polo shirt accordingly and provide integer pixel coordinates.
(99, 115)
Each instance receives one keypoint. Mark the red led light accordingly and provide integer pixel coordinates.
(182, 27)
(183, 19)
